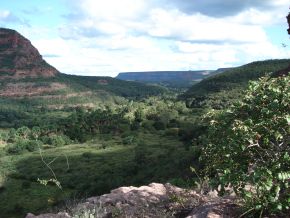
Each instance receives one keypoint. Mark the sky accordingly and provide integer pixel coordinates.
(105, 37)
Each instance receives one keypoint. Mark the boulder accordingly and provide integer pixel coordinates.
(154, 201)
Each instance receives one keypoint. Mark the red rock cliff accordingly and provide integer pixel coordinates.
(20, 59)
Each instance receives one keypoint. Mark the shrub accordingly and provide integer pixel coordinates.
(247, 145)
(4, 136)
(17, 148)
(128, 140)
(22, 145)
(33, 145)
(12, 136)
(56, 140)
(173, 124)
(172, 132)
(159, 125)
(135, 126)
(26, 185)
(148, 125)
(87, 155)
(124, 127)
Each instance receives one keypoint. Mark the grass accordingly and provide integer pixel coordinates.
(94, 169)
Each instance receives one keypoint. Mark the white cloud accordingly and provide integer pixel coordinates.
(4, 14)
(112, 9)
(7, 16)
(202, 28)
(107, 37)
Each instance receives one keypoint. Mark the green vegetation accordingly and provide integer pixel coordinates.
(221, 90)
(247, 147)
(95, 168)
(75, 91)
(134, 143)
(99, 133)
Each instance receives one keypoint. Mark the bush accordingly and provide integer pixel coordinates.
(26, 185)
(172, 132)
(88, 155)
(17, 148)
(128, 140)
(159, 125)
(247, 145)
(135, 126)
(148, 125)
(32, 145)
(173, 124)
(56, 140)
(21, 145)
(124, 127)
(4, 136)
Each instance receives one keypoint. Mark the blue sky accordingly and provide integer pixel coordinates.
(105, 37)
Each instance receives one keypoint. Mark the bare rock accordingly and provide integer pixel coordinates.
(20, 59)
(49, 215)
(216, 208)
(154, 201)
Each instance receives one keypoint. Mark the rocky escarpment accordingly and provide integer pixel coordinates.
(154, 201)
(20, 59)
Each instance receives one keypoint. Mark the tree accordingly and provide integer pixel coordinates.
(248, 145)
(23, 132)
(288, 20)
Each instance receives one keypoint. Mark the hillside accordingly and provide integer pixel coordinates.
(218, 91)
(27, 83)
(19, 59)
(24, 73)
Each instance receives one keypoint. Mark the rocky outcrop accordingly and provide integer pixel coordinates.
(20, 59)
(154, 201)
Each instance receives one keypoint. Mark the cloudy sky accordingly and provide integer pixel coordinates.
(104, 37)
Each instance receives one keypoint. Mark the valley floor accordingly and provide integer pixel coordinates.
(88, 169)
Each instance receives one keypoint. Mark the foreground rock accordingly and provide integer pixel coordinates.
(154, 200)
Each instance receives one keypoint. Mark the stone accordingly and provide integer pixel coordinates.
(154, 201)
(49, 215)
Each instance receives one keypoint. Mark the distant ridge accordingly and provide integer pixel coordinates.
(170, 78)
(161, 76)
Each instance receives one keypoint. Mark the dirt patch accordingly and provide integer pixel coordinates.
(30, 89)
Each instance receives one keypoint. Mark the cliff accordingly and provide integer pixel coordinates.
(20, 59)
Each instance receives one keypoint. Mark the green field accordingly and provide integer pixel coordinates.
(94, 168)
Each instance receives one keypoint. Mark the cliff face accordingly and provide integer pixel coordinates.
(20, 59)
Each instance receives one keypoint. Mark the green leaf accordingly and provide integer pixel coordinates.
(258, 207)
(248, 194)
(279, 207)
(288, 119)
